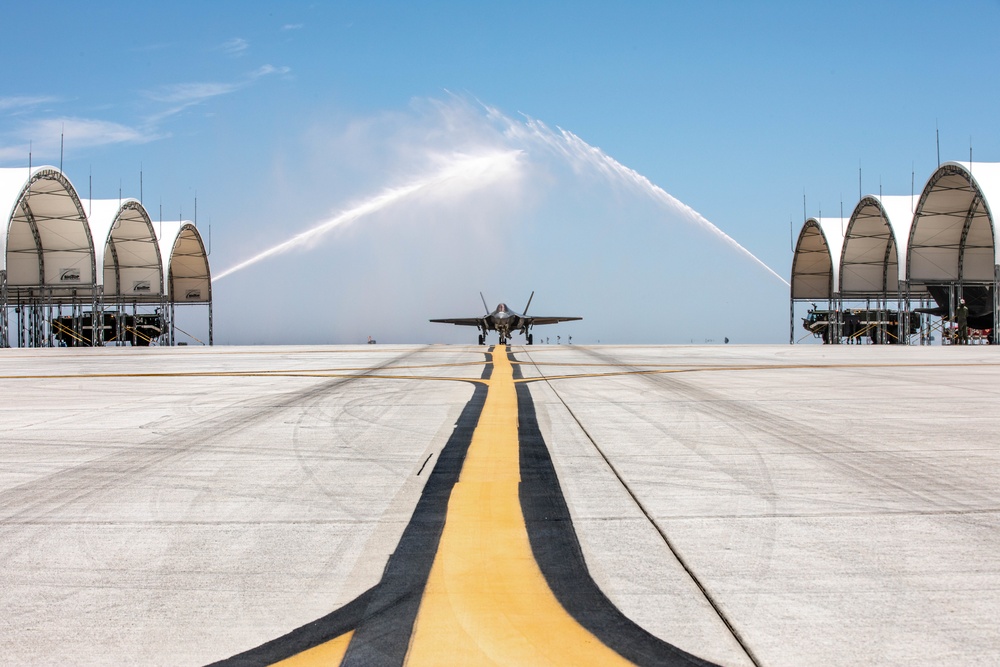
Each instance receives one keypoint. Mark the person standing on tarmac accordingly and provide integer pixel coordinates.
(962, 315)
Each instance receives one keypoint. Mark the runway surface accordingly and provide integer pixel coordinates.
(523, 505)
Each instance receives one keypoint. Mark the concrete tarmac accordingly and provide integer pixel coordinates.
(768, 505)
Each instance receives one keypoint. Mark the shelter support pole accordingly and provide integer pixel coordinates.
(120, 333)
(4, 322)
(924, 325)
(903, 301)
(927, 321)
(838, 307)
(211, 336)
(995, 334)
(951, 308)
(43, 321)
(880, 316)
(164, 331)
(173, 333)
(868, 318)
(831, 327)
(791, 320)
(835, 320)
(34, 334)
(883, 319)
(33, 322)
(96, 318)
(841, 321)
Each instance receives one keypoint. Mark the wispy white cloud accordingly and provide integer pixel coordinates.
(23, 101)
(237, 46)
(265, 70)
(191, 93)
(292, 26)
(182, 96)
(44, 133)
(45, 136)
(90, 132)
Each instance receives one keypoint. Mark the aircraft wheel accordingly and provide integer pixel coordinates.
(531, 339)
(482, 339)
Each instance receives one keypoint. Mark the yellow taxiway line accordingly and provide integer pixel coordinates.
(486, 601)
(330, 653)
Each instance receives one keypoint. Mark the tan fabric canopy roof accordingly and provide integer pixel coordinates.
(47, 241)
(189, 279)
(126, 248)
(65, 247)
(953, 236)
(816, 263)
(874, 255)
(947, 235)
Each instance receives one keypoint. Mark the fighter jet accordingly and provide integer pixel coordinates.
(505, 322)
(978, 298)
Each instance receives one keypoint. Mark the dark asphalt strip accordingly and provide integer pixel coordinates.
(308, 636)
(382, 618)
(560, 557)
(384, 635)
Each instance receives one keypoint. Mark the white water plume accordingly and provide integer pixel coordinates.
(485, 152)
(579, 153)
(461, 170)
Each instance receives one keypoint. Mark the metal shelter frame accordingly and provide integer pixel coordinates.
(51, 267)
(189, 278)
(875, 241)
(816, 268)
(895, 250)
(952, 243)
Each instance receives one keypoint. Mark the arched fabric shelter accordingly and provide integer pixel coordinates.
(70, 267)
(127, 250)
(953, 237)
(188, 277)
(46, 252)
(953, 249)
(816, 263)
(876, 238)
(46, 242)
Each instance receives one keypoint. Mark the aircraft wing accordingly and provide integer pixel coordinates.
(534, 320)
(462, 321)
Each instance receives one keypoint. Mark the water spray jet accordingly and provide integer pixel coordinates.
(473, 171)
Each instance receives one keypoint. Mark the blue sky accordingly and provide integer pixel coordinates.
(280, 116)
